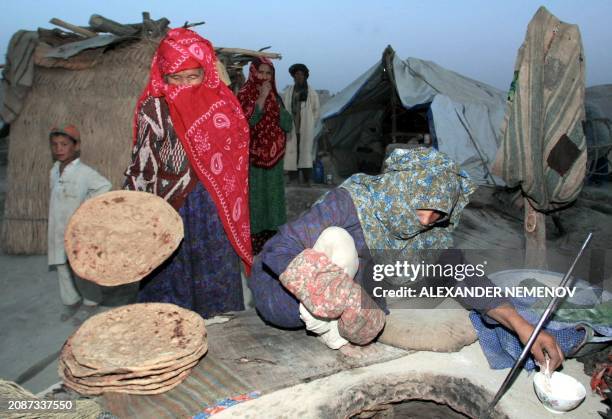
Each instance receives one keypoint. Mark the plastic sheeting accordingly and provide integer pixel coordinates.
(18, 75)
(466, 114)
(598, 126)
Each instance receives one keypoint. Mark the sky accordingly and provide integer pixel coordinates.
(340, 39)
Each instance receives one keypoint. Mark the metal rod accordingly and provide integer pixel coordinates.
(549, 309)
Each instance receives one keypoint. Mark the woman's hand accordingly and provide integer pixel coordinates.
(264, 90)
(508, 316)
(544, 343)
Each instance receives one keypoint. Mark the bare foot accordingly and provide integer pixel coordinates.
(356, 351)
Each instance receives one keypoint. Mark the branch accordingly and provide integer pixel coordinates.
(191, 25)
(73, 28)
(248, 52)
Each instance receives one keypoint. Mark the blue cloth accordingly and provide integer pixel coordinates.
(502, 347)
(203, 275)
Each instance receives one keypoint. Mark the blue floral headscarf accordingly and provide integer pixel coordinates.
(412, 179)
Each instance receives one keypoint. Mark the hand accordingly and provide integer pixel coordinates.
(543, 343)
(264, 89)
(507, 315)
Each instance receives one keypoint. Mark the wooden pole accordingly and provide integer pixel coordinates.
(73, 28)
(535, 238)
(188, 25)
(271, 55)
(102, 24)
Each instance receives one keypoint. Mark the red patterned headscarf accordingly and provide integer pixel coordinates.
(211, 127)
(267, 138)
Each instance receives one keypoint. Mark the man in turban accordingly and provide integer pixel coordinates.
(303, 101)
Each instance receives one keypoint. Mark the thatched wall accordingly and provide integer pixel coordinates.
(101, 102)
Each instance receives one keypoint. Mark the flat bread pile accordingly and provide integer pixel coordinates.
(146, 348)
(119, 237)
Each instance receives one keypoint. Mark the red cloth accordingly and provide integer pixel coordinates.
(327, 292)
(267, 138)
(211, 127)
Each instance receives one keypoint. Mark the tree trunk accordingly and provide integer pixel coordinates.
(535, 238)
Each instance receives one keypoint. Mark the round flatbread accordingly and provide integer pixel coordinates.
(138, 337)
(118, 374)
(131, 389)
(157, 379)
(121, 236)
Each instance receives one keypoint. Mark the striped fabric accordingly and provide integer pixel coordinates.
(210, 381)
(543, 144)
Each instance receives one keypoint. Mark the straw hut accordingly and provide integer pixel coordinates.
(97, 90)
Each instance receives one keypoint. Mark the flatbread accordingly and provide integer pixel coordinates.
(138, 337)
(79, 371)
(147, 389)
(125, 383)
(119, 237)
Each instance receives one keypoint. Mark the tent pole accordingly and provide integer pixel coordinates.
(392, 90)
(535, 237)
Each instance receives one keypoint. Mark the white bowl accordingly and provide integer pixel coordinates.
(560, 394)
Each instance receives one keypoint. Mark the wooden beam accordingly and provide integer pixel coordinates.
(251, 53)
(102, 24)
(73, 28)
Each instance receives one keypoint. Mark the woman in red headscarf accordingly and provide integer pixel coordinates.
(269, 121)
(191, 148)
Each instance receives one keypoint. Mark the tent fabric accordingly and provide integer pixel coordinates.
(18, 74)
(466, 114)
(598, 126)
(543, 147)
(74, 48)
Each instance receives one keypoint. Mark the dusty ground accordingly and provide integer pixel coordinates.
(32, 332)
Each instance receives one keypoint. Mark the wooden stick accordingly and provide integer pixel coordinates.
(73, 28)
(102, 24)
(248, 52)
(535, 237)
(191, 25)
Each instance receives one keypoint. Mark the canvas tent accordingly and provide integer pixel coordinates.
(397, 100)
(598, 129)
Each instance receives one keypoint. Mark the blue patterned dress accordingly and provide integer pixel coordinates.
(203, 275)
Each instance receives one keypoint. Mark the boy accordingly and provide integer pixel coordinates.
(72, 182)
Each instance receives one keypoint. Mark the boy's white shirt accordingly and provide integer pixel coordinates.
(77, 183)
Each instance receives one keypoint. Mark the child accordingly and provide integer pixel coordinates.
(72, 182)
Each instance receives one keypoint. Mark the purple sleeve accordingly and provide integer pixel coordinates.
(456, 257)
(336, 209)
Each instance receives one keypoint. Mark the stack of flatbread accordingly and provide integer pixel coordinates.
(146, 348)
